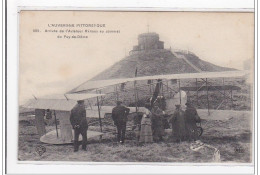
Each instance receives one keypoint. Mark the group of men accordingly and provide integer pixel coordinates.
(183, 123)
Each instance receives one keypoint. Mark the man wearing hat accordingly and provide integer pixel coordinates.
(178, 124)
(191, 118)
(157, 123)
(119, 116)
(79, 123)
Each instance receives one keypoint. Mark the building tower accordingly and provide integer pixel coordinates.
(148, 41)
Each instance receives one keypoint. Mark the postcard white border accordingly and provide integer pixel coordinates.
(80, 167)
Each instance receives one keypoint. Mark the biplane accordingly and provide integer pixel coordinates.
(179, 94)
(95, 92)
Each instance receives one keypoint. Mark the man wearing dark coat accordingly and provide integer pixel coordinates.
(79, 123)
(191, 118)
(119, 116)
(178, 124)
(157, 123)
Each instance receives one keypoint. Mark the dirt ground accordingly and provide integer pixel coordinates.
(233, 137)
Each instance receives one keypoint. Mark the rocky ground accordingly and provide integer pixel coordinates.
(233, 137)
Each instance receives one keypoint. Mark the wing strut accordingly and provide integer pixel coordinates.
(207, 94)
(135, 90)
(56, 124)
(180, 89)
(135, 96)
(197, 93)
(99, 115)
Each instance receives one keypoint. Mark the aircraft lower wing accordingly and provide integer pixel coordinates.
(93, 111)
(62, 102)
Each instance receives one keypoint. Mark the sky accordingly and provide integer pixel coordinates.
(50, 65)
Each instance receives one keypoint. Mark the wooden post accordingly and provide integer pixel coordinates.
(56, 123)
(150, 85)
(197, 96)
(99, 115)
(162, 88)
(116, 94)
(135, 96)
(167, 86)
(180, 90)
(231, 98)
(207, 94)
(224, 90)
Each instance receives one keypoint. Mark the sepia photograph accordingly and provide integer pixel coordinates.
(136, 86)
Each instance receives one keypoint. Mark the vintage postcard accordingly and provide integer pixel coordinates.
(136, 86)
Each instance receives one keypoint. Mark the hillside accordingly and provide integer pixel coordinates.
(157, 62)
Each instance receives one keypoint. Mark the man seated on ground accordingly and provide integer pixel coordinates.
(119, 116)
(191, 118)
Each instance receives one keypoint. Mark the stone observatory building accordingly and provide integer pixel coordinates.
(148, 41)
(151, 58)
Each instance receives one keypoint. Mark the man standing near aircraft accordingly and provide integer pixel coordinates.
(79, 123)
(178, 124)
(119, 116)
(191, 118)
(157, 123)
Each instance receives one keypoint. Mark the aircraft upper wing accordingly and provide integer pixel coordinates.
(91, 85)
(224, 74)
(68, 96)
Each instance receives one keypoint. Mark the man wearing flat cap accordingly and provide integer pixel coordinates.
(79, 123)
(119, 116)
(191, 118)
